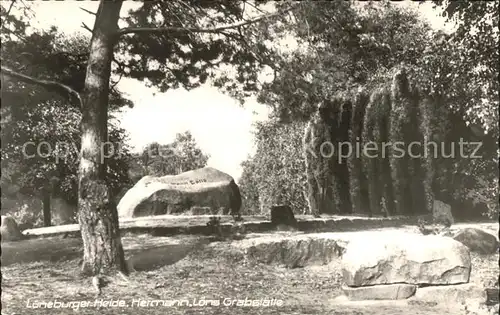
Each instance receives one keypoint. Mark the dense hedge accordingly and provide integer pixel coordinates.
(341, 108)
(376, 175)
(357, 173)
(372, 136)
(382, 137)
(275, 174)
(427, 123)
(394, 111)
(399, 132)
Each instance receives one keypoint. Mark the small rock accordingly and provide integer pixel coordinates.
(10, 230)
(397, 291)
(477, 240)
(441, 213)
(492, 296)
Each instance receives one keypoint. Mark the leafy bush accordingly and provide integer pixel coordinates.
(26, 218)
(275, 174)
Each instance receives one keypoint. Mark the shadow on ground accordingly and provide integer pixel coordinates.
(156, 257)
(144, 256)
(47, 249)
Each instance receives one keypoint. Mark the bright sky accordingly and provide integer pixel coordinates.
(221, 127)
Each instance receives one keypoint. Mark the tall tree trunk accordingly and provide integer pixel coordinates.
(46, 194)
(98, 217)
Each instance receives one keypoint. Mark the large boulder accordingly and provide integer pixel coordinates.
(175, 194)
(405, 258)
(477, 240)
(9, 229)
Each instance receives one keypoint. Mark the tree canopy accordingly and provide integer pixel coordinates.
(474, 67)
(40, 128)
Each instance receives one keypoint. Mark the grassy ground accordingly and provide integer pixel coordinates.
(183, 268)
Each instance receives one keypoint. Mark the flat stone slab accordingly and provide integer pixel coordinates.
(299, 250)
(399, 291)
(458, 293)
(295, 250)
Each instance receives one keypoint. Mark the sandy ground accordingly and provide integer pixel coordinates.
(183, 269)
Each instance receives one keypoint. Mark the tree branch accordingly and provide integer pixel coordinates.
(86, 27)
(120, 64)
(114, 84)
(49, 85)
(179, 19)
(23, 39)
(149, 30)
(8, 11)
(121, 68)
(88, 11)
(254, 6)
